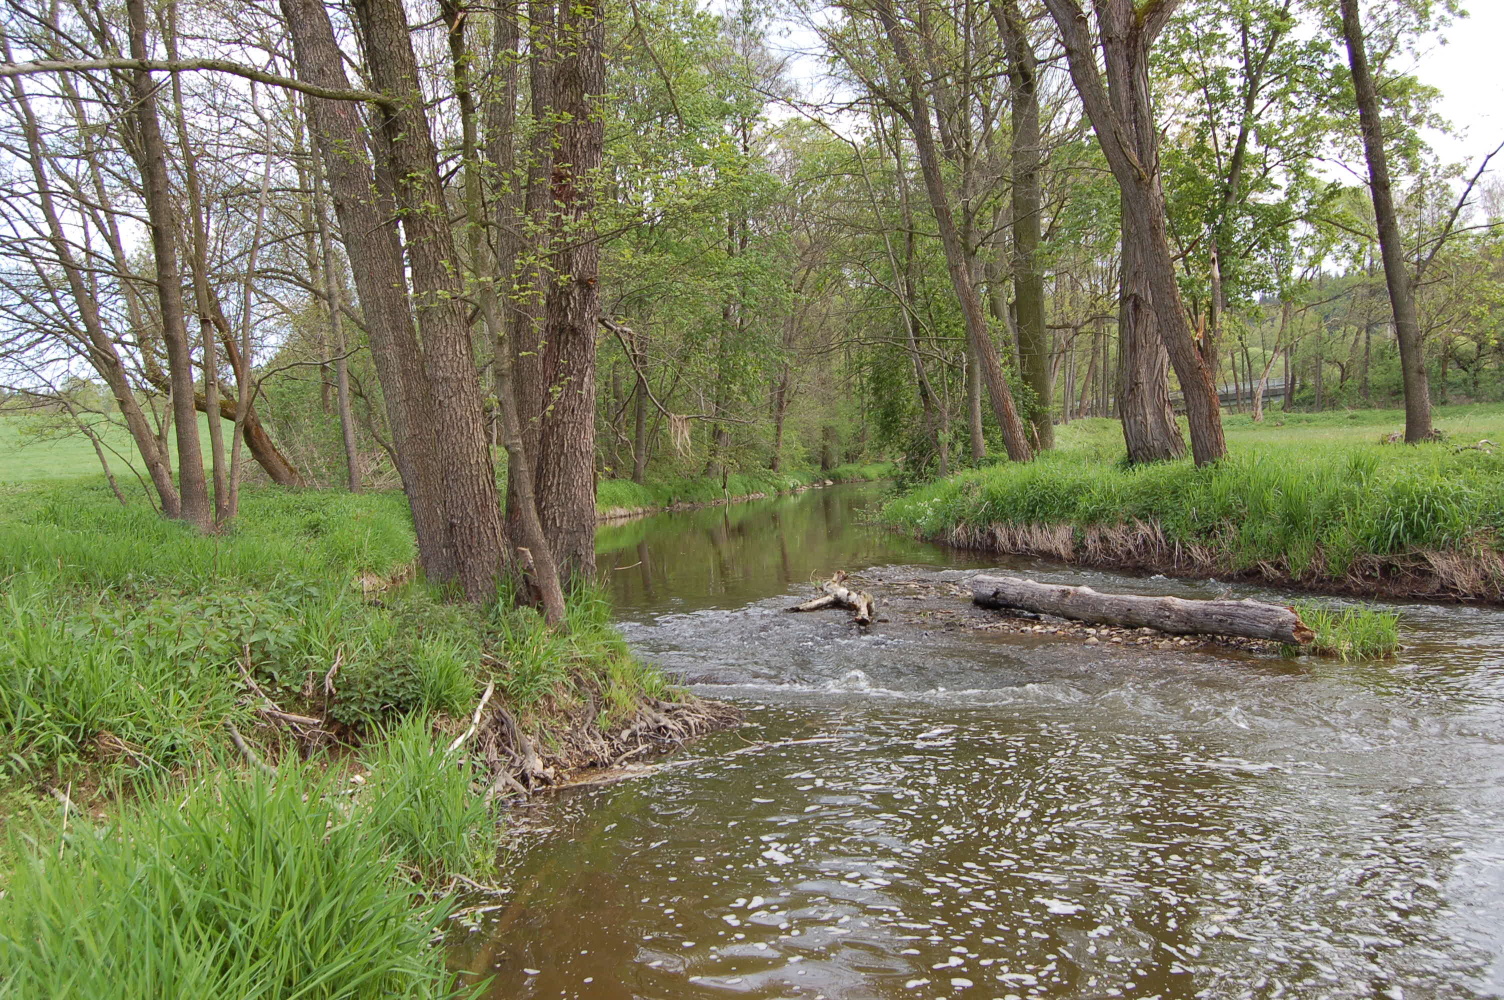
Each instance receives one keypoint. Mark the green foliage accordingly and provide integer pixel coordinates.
(623, 494)
(122, 636)
(242, 887)
(422, 802)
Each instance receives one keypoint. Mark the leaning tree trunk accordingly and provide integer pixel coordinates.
(1247, 618)
(193, 488)
(1396, 269)
(1123, 119)
(461, 449)
(368, 225)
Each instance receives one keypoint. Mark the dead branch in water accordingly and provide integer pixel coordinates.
(835, 594)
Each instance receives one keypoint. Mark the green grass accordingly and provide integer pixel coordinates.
(1313, 496)
(123, 644)
(241, 887)
(623, 494)
(1351, 633)
(31, 449)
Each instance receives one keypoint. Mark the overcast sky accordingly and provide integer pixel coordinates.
(1469, 70)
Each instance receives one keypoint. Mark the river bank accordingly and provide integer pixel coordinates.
(1292, 507)
(273, 681)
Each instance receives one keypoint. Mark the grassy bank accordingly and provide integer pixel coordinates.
(1317, 502)
(622, 496)
(149, 854)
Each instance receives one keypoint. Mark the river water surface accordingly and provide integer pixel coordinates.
(925, 810)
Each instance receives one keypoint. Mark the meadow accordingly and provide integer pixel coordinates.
(1318, 500)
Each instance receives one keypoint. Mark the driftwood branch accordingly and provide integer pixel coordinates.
(836, 594)
(1247, 618)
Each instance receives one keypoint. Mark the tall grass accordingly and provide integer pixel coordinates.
(1351, 633)
(1308, 505)
(122, 636)
(243, 887)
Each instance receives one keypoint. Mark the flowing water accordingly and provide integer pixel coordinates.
(928, 810)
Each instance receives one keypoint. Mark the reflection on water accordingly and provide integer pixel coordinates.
(937, 812)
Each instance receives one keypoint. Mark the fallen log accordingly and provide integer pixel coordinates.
(836, 595)
(1247, 618)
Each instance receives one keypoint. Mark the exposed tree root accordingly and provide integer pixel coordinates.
(519, 764)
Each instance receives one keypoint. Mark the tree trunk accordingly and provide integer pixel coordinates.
(192, 486)
(958, 257)
(1249, 619)
(198, 260)
(469, 496)
(537, 557)
(1149, 428)
(974, 408)
(1034, 348)
(1396, 269)
(1123, 119)
(368, 223)
(566, 473)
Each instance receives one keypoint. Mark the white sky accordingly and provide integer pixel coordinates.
(1469, 71)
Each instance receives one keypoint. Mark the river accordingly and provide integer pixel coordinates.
(929, 810)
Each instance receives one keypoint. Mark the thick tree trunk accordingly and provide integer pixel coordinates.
(1034, 348)
(368, 223)
(469, 496)
(1247, 618)
(566, 467)
(536, 554)
(1122, 117)
(1396, 269)
(1149, 428)
(192, 486)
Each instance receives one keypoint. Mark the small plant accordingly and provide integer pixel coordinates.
(1351, 633)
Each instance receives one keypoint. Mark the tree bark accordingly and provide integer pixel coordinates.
(1034, 347)
(1396, 269)
(1122, 117)
(536, 555)
(368, 224)
(192, 486)
(1249, 619)
(469, 497)
(957, 254)
(566, 468)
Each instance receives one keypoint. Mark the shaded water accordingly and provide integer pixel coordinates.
(926, 810)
